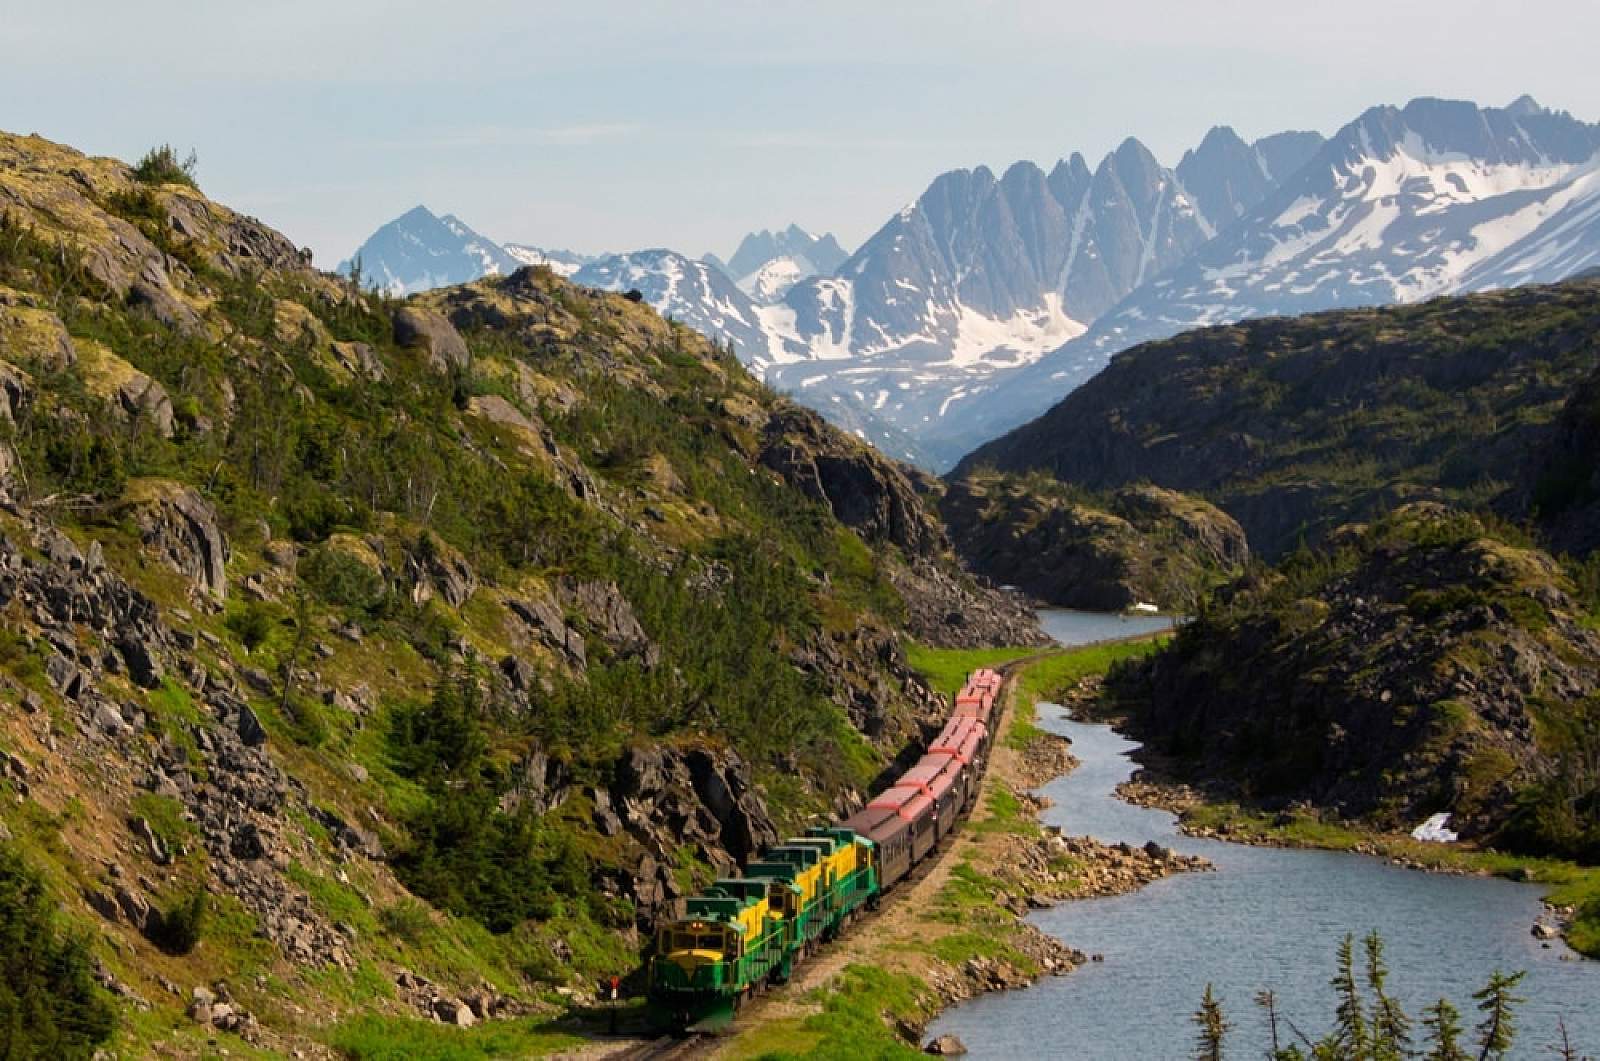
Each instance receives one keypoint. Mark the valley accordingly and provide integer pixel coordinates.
(1091, 596)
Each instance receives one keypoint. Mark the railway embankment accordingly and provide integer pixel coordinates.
(959, 929)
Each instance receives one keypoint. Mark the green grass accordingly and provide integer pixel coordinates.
(855, 1022)
(946, 668)
(1054, 675)
(1006, 814)
(372, 1037)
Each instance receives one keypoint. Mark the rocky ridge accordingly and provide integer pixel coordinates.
(1295, 426)
(1424, 665)
(1141, 544)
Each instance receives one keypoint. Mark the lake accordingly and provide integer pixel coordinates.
(1268, 918)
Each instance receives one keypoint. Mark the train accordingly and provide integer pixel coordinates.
(745, 933)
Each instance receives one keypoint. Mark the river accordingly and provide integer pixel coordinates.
(1267, 918)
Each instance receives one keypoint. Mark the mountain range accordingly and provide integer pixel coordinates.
(767, 264)
(990, 297)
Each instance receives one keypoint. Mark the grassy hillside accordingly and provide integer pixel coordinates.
(404, 658)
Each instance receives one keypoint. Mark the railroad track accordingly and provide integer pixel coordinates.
(668, 1046)
(694, 1043)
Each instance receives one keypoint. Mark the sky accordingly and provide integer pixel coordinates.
(686, 123)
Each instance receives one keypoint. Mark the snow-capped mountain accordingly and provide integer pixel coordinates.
(418, 250)
(561, 262)
(979, 277)
(983, 302)
(774, 279)
(1400, 205)
(694, 293)
(983, 275)
(767, 263)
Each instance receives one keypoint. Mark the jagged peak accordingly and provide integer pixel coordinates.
(1023, 171)
(1525, 105)
(1219, 136)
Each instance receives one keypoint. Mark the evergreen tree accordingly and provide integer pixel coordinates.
(49, 1003)
(1213, 1027)
(1497, 1002)
(1391, 1028)
(1351, 1033)
(1443, 1022)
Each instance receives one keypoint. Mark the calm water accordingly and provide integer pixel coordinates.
(1266, 918)
(1083, 628)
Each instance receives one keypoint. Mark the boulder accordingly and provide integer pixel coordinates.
(946, 1046)
(453, 1011)
(153, 293)
(140, 659)
(435, 336)
(360, 360)
(141, 396)
(181, 527)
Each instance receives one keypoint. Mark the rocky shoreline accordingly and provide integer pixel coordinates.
(1147, 789)
(1036, 871)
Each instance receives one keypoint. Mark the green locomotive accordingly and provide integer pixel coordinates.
(750, 931)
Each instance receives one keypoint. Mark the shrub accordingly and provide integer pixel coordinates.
(180, 925)
(161, 165)
(252, 624)
(342, 578)
(49, 1004)
(407, 920)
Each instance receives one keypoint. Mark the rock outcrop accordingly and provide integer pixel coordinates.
(863, 489)
(1141, 544)
(1425, 665)
(179, 526)
(435, 336)
(666, 800)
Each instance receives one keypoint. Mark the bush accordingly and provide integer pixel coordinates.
(49, 1003)
(161, 165)
(252, 624)
(180, 925)
(407, 921)
(344, 579)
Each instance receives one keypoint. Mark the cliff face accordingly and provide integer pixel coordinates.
(1142, 543)
(377, 624)
(1425, 663)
